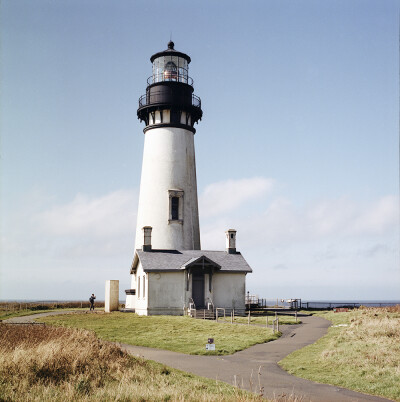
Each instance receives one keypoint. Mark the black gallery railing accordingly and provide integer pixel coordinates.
(163, 97)
(170, 76)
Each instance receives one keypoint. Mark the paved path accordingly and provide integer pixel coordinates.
(243, 368)
(30, 319)
(256, 366)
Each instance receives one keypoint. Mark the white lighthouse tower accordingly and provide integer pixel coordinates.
(168, 188)
(170, 274)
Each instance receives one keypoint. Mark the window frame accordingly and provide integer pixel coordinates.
(177, 194)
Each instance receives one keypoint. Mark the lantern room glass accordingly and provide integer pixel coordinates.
(170, 68)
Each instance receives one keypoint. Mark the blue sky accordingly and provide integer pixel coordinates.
(297, 149)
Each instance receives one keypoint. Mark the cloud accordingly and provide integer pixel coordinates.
(282, 223)
(110, 215)
(226, 196)
(375, 249)
(347, 217)
(280, 267)
(378, 217)
(284, 242)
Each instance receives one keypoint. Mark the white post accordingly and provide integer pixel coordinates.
(248, 322)
(111, 296)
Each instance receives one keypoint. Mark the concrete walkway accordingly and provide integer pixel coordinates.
(255, 367)
(30, 319)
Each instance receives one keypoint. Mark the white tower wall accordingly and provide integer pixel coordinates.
(169, 169)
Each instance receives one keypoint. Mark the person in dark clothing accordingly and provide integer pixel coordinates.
(91, 299)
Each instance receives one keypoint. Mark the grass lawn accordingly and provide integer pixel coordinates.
(261, 320)
(361, 352)
(60, 364)
(178, 334)
(4, 315)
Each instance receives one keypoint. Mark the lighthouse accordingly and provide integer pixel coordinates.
(168, 187)
(170, 274)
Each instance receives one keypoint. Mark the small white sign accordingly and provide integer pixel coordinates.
(210, 346)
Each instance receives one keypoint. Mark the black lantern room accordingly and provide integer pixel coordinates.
(169, 100)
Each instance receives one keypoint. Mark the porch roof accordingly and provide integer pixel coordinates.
(178, 260)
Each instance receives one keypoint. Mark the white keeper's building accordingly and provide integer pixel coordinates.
(170, 274)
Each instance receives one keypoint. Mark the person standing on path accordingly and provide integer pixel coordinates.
(91, 299)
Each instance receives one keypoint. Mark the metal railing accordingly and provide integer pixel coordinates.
(170, 76)
(216, 313)
(192, 307)
(153, 99)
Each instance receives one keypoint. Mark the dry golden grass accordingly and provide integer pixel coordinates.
(39, 363)
(360, 352)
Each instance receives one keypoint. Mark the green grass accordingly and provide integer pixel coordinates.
(360, 352)
(178, 334)
(261, 320)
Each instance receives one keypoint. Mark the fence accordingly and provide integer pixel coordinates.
(330, 305)
(252, 301)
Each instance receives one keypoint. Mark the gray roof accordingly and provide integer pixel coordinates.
(177, 260)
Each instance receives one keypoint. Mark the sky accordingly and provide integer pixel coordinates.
(298, 147)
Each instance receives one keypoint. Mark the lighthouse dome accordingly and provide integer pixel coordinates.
(170, 65)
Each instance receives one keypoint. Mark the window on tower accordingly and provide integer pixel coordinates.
(175, 206)
(170, 73)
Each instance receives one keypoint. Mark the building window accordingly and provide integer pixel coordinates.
(175, 206)
(175, 116)
(138, 287)
(144, 286)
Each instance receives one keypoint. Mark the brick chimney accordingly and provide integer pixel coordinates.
(231, 241)
(147, 238)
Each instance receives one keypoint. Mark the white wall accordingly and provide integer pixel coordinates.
(166, 293)
(168, 164)
(141, 301)
(229, 290)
